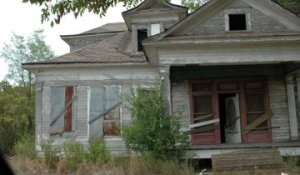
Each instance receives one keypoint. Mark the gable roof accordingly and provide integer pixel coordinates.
(210, 8)
(153, 6)
(116, 49)
(107, 28)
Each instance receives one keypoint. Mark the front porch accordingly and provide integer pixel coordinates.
(200, 93)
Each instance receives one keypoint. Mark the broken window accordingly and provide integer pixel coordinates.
(104, 117)
(237, 22)
(62, 112)
(141, 35)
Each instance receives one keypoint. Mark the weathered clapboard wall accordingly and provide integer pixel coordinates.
(278, 105)
(258, 21)
(180, 101)
(83, 79)
(279, 108)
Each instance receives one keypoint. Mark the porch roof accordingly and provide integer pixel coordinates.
(198, 71)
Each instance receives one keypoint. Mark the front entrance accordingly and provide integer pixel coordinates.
(230, 122)
(230, 111)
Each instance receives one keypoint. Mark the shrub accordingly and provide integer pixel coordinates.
(51, 153)
(25, 147)
(153, 130)
(97, 151)
(74, 153)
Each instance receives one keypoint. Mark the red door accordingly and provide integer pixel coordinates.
(256, 115)
(204, 126)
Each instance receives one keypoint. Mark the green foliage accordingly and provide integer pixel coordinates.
(74, 153)
(193, 4)
(25, 147)
(25, 49)
(54, 10)
(51, 153)
(16, 116)
(287, 1)
(97, 152)
(17, 102)
(153, 130)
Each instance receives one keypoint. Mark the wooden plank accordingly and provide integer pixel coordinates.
(205, 123)
(69, 92)
(55, 119)
(203, 117)
(257, 122)
(97, 105)
(204, 129)
(57, 108)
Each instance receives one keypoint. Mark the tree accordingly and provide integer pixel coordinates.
(16, 116)
(21, 50)
(153, 130)
(54, 10)
(193, 4)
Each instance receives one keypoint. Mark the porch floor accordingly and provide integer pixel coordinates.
(205, 151)
(246, 145)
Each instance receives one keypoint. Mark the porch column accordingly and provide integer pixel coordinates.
(165, 79)
(292, 107)
(298, 101)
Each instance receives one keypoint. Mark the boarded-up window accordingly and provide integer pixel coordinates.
(104, 116)
(62, 112)
(255, 102)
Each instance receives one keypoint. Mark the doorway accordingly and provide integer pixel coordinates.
(230, 122)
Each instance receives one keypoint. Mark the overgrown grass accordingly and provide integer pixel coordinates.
(96, 160)
(292, 164)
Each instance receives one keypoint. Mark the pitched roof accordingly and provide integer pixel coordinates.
(110, 27)
(116, 49)
(205, 11)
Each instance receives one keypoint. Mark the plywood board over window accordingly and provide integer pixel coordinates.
(104, 118)
(62, 111)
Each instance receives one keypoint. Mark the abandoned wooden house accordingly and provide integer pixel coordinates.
(232, 67)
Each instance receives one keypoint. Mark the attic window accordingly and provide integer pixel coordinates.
(237, 22)
(141, 35)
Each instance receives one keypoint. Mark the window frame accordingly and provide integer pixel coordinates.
(69, 113)
(237, 12)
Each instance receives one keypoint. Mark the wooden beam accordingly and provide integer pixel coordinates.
(205, 123)
(257, 122)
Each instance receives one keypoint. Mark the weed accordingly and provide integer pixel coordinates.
(97, 151)
(74, 154)
(25, 147)
(51, 153)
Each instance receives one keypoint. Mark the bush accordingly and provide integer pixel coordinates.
(97, 152)
(25, 147)
(74, 153)
(153, 130)
(51, 154)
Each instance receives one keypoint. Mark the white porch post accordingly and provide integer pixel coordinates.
(292, 107)
(165, 79)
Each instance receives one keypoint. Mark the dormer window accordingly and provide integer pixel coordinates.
(141, 35)
(237, 22)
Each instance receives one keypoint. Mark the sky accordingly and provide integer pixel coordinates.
(23, 19)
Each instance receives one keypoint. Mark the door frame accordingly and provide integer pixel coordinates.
(225, 86)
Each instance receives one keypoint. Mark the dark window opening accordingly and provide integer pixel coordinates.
(237, 22)
(141, 35)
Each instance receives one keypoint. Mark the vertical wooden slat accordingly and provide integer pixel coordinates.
(68, 112)
(57, 102)
(112, 97)
(97, 106)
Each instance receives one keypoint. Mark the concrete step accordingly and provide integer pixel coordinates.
(247, 160)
